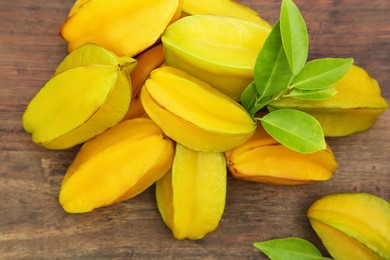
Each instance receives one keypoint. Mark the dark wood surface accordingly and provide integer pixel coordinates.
(33, 224)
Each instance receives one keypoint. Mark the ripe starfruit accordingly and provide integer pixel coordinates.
(193, 113)
(223, 7)
(126, 27)
(116, 165)
(191, 197)
(146, 63)
(263, 159)
(354, 108)
(220, 50)
(89, 93)
(353, 225)
(135, 110)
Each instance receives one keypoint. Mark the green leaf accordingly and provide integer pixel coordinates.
(295, 129)
(251, 101)
(272, 72)
(294, 36)
(316, 94)
(322, 73)
(249, 97)
(292, 248)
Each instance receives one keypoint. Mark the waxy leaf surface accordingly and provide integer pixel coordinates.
(291, 248)
(295, 129)
(249, 96)
(321, 73)
(294, 35)
(316, 94)
(272, 71)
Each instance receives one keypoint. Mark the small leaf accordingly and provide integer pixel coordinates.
(316, 94)
(272, 72)
(322, 73)
(294, 36)
(295, 129)
(249, 96)
(291, 248)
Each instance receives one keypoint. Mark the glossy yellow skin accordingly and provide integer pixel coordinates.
(136, 25)
(193, 113)
(353, 225)
(135, 110)
(89, 92)
(263, 159)
(223, 7)
(116, 165)
(77, 4)
(341, 246)
(146, 63)
(355, 107)
(191, 197)
(220, 50)
(92, 54)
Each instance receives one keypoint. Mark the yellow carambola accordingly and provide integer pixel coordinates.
(92, 54)
(136, 25)
(191, 197)
(354, 108)
(263, 159)
(193, 113)
(223, 7)
(353, 225)
(146, 63)
(116, 165)
(89, 93)
(76, 6)
(220, 50)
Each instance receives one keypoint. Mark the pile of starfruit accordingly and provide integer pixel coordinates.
(152, 90)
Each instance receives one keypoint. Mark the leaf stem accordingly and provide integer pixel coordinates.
(282, 93)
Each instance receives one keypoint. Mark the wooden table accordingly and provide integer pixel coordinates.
(33, 224)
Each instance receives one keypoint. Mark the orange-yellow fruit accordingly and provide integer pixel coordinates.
(146, 63)
(355, 107)
(135, 110)
(193, 113)
(223, 7)
(353, 225)
(219, 50)
(116, 165)
(263, 159)
(191, 197)
(126, 27)
(89, 93)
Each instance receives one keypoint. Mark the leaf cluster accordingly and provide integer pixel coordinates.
(282, 70)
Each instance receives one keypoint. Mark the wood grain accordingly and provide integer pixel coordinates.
(34, 226)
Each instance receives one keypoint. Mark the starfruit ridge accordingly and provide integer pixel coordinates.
(191, 197)
(184, 107)
(117, 165)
